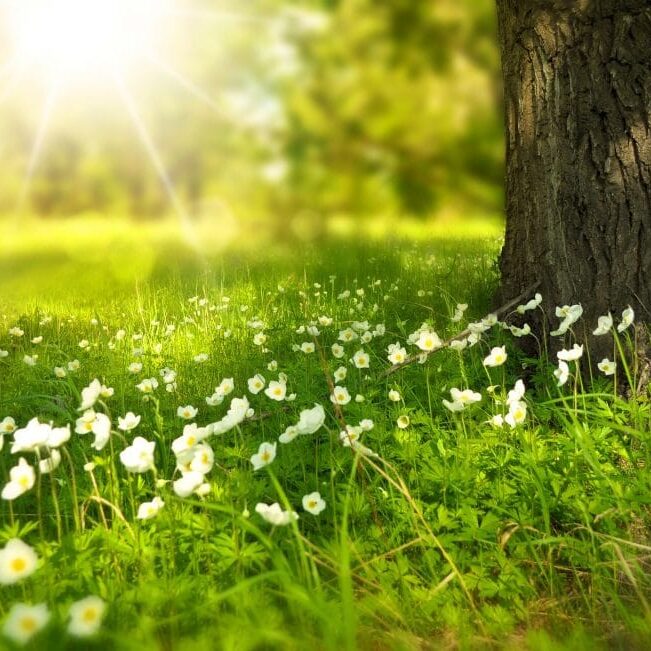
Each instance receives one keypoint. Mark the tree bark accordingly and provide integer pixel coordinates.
(577, 82)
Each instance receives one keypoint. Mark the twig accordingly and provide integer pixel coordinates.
(461, 335)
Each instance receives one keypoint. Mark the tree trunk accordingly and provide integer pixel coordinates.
(577, 81)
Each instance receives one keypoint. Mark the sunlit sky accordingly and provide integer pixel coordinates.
(73, 58)
(253, 108)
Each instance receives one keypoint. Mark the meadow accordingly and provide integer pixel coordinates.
(226, 455)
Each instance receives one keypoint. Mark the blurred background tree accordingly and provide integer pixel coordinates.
(290, 113)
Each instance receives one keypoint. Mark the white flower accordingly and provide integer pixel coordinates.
(403, 422)
(260, 339)
(17, 561)
(458, 312)
(340, 396)
(394, 395)
(461, 399)
(192, 435)
(187, 413)
(520, 332)
(25, 621)
(338, 351)
(497, 421)
(74, 365)
(237, 412)
(340, 374)
(30, 360)
(627, 318)
(102, 431)
(168, 375)
(350, 435)
(8, 425)
(458, 344)
(276, 390)
(90, 395)
(265, 455)
(325, 321)
(310, 420)
(225, 387)
(314, 503)
(201, 357)
(274, 515)
(4, 353)
(289, 434)
(214, 400)
(517, 413)
(428, 341)
(361, 359)
(562, 373)
(189, 483)
(98, 424)
(21, 479)
(256, 384)
(517, 393)
(203, 458)
(607, 367)
(604, 324)
(531, 305)
(129, 422)
(272, 366)
(86, 616)
(570, 355)
(148, 385)
(135, 368)
(16, 332)
(347, 335)
(396, 353)
(307, 347)
(570, 314)
(31, 437)
(497, 356)
(60, 372)
(51, 463)
(139, 456)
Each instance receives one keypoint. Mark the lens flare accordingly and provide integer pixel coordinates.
(69, 38)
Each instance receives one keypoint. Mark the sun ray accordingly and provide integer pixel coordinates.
(37, 147)
(189, 86)
(12, 74)
(148, 143)
(217, 15)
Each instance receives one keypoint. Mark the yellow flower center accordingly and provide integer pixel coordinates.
(18, 564)
(28, 624)
(89, 615)
(24, 481)
(192, 440)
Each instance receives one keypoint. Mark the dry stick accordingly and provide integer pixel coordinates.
(504, 309)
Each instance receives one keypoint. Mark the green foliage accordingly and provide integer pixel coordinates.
(457, 534)
(274, 111)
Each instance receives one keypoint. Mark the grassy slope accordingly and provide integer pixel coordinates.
(469, 536)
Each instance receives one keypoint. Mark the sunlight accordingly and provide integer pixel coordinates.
(131, 107)
(72, 38)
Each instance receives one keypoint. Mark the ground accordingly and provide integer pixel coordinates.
(441, 527)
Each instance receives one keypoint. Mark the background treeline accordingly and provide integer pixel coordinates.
(338, 107)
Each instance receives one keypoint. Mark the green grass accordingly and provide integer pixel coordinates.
(456, 535)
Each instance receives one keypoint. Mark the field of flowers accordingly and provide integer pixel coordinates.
(316, 447)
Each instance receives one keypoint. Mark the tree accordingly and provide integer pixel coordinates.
(577, 82)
